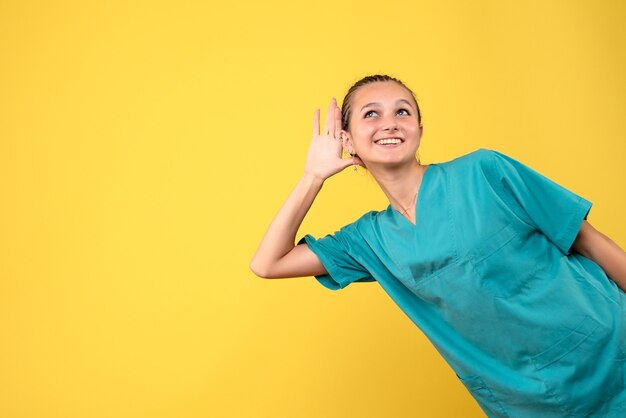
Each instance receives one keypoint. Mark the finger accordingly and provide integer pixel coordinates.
(338, 129)
(316, 122)
(325, 131)
(346, 162)
(331, 116)
(329, 123)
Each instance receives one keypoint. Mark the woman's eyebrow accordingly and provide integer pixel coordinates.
(377, 104)
(404, 101)
(371, 104)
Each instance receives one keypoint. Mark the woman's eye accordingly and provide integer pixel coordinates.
(403, 112)
(369, 114)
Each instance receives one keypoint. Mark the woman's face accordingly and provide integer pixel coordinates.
(383, 126)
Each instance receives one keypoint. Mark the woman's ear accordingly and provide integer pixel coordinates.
(346, 142)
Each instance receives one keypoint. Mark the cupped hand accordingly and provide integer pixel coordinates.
(324, 157)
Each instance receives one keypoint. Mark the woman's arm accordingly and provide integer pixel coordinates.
(277, 255)
(598, 247)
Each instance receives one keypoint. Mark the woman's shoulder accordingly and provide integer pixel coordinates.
(479, 156)
(482, 162)
(363, 220)
(480, 159)
(371, 217)
(362, 227)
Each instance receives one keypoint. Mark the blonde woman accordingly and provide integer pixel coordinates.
(495, 263)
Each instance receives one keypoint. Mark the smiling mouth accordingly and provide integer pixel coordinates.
(388, 141)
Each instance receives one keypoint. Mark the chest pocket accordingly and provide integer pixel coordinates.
(498, 266)
(508, 261)
(456, 291)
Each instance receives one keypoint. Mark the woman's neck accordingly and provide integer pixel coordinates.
(400, 184)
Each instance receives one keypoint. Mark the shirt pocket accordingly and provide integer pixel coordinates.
(574, 369)
(455, 293)
(507, 261)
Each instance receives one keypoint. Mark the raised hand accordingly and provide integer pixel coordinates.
(324, 157)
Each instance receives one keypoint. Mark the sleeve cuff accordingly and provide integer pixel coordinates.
(327, 280)
(570, 232)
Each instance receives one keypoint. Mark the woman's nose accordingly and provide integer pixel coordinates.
(389, 123)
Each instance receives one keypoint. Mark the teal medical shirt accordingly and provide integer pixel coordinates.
(531, 328)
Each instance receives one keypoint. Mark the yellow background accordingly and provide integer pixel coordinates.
(146, 145)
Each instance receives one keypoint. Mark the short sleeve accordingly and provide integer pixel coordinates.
(339, 258)
(555, 211)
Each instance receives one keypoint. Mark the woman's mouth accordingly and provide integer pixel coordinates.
(388, 141)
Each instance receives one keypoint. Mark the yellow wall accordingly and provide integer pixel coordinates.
(145, 146)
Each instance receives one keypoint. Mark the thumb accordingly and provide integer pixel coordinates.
(347, 162)
(356, 160)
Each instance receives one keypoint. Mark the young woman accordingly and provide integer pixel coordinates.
(494, 262)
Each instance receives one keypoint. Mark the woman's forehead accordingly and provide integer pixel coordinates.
(383, 91)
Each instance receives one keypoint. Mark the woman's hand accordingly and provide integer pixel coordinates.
(324, 157)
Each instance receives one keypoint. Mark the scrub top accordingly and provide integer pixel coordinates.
(531, 328)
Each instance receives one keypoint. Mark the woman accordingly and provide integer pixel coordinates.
(494, 262)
